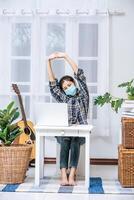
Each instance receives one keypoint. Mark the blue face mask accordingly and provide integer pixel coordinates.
(71, 90)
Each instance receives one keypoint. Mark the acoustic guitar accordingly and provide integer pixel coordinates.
(28, 134)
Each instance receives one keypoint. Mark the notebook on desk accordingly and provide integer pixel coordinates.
(51, 114)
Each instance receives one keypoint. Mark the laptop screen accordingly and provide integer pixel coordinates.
(51, 114)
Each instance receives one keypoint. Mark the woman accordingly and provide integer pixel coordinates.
(78, 102)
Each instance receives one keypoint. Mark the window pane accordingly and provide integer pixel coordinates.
(21, 39)
(24, 88)
(88, 40)
(20, 71)
(92, 89)
(58, 69)
(47, 99)
(27, 106)
(46, 89)
(94, 110)
(90, 69)
(44, 99)
(55, 38)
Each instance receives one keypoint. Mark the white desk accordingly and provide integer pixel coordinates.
(70, 131)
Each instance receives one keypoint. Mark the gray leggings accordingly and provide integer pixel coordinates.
(71, 144)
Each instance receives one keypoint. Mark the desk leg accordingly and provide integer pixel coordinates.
(37, 160)
(87, 167)
(42, 152)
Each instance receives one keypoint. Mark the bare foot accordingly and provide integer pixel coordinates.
(72, 181)
(72, 177)
(64, 180)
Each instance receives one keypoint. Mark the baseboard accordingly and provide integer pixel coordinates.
(93, 161)
(103, 161)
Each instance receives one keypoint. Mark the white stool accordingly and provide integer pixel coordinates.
(81, 163)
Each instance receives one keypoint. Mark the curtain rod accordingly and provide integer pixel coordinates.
(59, 12)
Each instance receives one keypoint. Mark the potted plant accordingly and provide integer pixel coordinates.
(116, 102)
(14, 158)
(129, 88)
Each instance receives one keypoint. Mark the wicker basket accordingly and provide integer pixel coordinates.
(128, 132)
(126, 166)
(14, 161)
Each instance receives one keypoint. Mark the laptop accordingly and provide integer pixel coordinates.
(51, 114)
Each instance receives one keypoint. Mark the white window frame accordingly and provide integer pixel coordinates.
(21, 20)
(38, 54)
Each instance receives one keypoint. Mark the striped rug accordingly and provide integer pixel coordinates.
(51, 185)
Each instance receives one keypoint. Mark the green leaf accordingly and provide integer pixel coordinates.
(12, 113)
(16, 130)
(131, 81)
(9, 131)
(6, 133)
(4, 111)
(107, 97)
(3, 123)
(12, 127)
(9, 107)
(130, 90)
(116, 104)
(16, 115)
(129, 87)
(101, 100)
(14, 137)
(8, 143)
(112, 103)
(2, 136)
(1, 114)
(124, 84)
(15, 133)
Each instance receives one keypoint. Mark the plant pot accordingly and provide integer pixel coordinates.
(14, 161)
(131, 97)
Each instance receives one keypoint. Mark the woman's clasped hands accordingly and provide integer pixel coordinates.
(57, 55)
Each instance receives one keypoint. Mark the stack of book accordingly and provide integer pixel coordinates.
(128, 108)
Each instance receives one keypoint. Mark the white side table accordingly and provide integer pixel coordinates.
(51, 131)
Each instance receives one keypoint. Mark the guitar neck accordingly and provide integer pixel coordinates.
(22, 110)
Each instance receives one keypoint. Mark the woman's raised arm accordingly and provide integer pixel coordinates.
(60, 55)
(72, 63)
(51, 75)
(68, 59)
